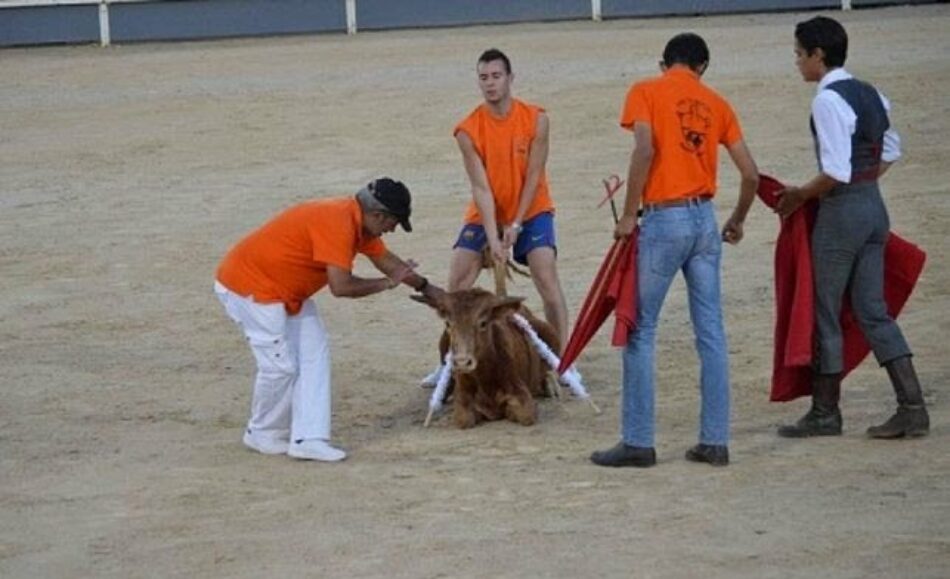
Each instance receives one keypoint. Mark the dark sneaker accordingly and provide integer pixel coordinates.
(625, 455)
(714, 454)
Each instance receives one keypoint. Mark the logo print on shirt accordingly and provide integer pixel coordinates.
(695, 119)
(521, 145)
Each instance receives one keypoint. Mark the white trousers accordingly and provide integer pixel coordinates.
(292, 388)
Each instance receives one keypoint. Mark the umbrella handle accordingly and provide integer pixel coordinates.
(612, 184)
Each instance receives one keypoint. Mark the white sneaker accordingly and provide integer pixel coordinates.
(315, 449)
(263, 443)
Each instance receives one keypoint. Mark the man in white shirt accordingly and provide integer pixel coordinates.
(855, 145)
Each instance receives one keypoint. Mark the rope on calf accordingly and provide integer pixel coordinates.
(441, 384)
(571, 377)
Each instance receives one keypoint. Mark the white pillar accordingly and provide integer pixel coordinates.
(105, 37)
(846, 4)
(351, 16)
(595, 10)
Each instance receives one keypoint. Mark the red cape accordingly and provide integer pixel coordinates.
(794, 297)
(614, 289)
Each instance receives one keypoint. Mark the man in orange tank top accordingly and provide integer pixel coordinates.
(265, 282)
(504, 145)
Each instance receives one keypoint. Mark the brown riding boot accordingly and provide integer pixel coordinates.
(824, 417)
(911, 418)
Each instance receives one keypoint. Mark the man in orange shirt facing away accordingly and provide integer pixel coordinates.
(677, 124)
(504, 144)
(265, 282)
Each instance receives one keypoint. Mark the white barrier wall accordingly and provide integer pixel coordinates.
(30, 22)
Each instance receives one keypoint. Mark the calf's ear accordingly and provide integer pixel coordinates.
(437, 305)
(506, 306)
(422, 299)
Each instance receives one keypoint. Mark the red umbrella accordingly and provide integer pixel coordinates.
(613, 287)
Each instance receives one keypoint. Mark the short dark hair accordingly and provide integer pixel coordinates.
(686, 48)
(495, 54)
(828, 35)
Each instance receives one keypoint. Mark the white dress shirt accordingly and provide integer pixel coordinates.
(835, 123)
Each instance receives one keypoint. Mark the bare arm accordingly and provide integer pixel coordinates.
(343, 284)
(732, 231)
(537, 159)
(400, 271)
(481, 192)
(885, 165)
(640, 161)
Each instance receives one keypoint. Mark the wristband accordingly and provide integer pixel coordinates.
(422, 287)
(516, 226)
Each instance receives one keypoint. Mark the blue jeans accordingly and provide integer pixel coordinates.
(675, 239)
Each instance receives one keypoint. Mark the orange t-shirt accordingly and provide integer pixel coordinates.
(286, 259)
(689, 120)
(503, 145)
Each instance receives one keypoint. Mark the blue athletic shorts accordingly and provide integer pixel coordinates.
(535, 232)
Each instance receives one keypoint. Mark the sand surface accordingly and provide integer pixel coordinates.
(127, 172)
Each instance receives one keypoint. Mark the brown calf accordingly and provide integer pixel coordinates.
(496, 369)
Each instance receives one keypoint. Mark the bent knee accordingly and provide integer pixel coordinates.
(871, 314)
(275, 358)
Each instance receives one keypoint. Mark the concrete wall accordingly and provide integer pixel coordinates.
(49, 24)
(380, 14)
(28, 22)
(626, 8)
(220, 18)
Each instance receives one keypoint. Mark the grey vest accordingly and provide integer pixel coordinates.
(867, 142)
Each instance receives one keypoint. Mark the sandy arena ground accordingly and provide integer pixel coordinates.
(127, 172)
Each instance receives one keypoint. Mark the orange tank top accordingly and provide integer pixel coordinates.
(503, 144)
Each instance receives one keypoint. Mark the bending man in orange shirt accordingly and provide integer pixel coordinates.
(678, 123)
(504, 145)
(265, 282)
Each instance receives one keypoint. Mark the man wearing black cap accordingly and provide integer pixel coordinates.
(265, 282)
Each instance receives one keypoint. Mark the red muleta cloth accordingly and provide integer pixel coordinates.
(795, 297)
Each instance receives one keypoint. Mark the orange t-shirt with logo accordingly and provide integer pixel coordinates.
(286, 259)
(503, 144)
(689, 120)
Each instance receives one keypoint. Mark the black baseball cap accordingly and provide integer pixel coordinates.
(394, 197)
